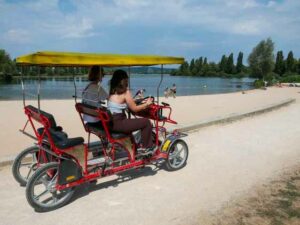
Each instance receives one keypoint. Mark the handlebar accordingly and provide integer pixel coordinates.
(140, 101)
(155, 112)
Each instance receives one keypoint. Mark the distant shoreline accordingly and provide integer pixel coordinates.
(55, 99)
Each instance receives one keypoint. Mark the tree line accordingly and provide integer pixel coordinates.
(261, 64)
(224, 68)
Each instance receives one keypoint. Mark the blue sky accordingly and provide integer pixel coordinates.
(188, 28)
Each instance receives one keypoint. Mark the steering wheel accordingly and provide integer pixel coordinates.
(142, 100)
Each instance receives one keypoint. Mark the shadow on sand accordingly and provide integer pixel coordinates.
(122, 177)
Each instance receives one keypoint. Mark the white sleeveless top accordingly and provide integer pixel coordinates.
(114, 107)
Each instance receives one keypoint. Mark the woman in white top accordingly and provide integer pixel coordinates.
(120, 98)
(94, 93)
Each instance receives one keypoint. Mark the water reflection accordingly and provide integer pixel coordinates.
(63, 87)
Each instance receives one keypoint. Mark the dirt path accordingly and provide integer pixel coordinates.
(225, 162)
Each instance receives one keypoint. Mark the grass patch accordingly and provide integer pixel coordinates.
(276, 204)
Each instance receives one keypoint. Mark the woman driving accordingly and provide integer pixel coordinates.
(120, 99)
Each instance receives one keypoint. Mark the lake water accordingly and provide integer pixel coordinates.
(63, 88)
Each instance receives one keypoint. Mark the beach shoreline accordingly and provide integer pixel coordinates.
(186, 110)
(161, 96)
(226, 163)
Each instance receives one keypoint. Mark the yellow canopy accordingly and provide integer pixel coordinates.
(88, 59)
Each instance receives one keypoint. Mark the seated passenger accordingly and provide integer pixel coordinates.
(173, 90)
(94, 93)
(120, 99)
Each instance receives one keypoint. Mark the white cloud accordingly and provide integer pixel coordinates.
(248, 27)
(43, 21)
(83, 28)
(18, 36)
(71, 28)
(130, 4)
(171, 45)
(271, 4)
(246, 4)
(230, 16)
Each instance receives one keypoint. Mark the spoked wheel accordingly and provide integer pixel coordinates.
(41, 192)
(25, 164)
(177, 156)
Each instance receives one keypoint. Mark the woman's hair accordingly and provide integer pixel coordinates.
(95, 72)
(118, 82)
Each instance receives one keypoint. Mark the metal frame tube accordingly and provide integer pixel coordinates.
(74, 82)
(161, 79)
(39, 87)
(23, 87)
(129, 73)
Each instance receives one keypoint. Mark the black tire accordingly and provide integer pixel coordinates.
(41, 177)
(20, 161)
(175, 161)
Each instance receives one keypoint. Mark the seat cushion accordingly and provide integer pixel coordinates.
(97, 128)
(61, 139)
(69, 142)
(56, 135)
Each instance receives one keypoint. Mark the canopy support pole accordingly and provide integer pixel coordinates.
(129, 114)
(39, 87)
(23, 87)
(161, 79)
(74, 82)
(129, 73)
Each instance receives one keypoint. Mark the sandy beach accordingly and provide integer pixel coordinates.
(186, 109)
(225, 163)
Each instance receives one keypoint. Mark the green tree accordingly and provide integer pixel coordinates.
(49, 71)
(230, 65)
(198, 66)
(290, 62)
(223, 63)
(193, 67)
(184, 69)
(205, 67)
(261, 59)
(298, 67)
(212, 69)
(279, 63)
(7, 66)
(239, 64)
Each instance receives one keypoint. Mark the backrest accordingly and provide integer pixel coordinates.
(100, 113)
(40, 116)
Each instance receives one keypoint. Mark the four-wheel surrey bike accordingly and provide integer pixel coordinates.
(57, 164)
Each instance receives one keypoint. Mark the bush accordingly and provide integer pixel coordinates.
(290, 79)
(6, 77)
(241, 75)
(288, 74)
(271, 78)
(258, 83)
(211, 74)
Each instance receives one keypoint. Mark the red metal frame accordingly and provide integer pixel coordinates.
(153, 114)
